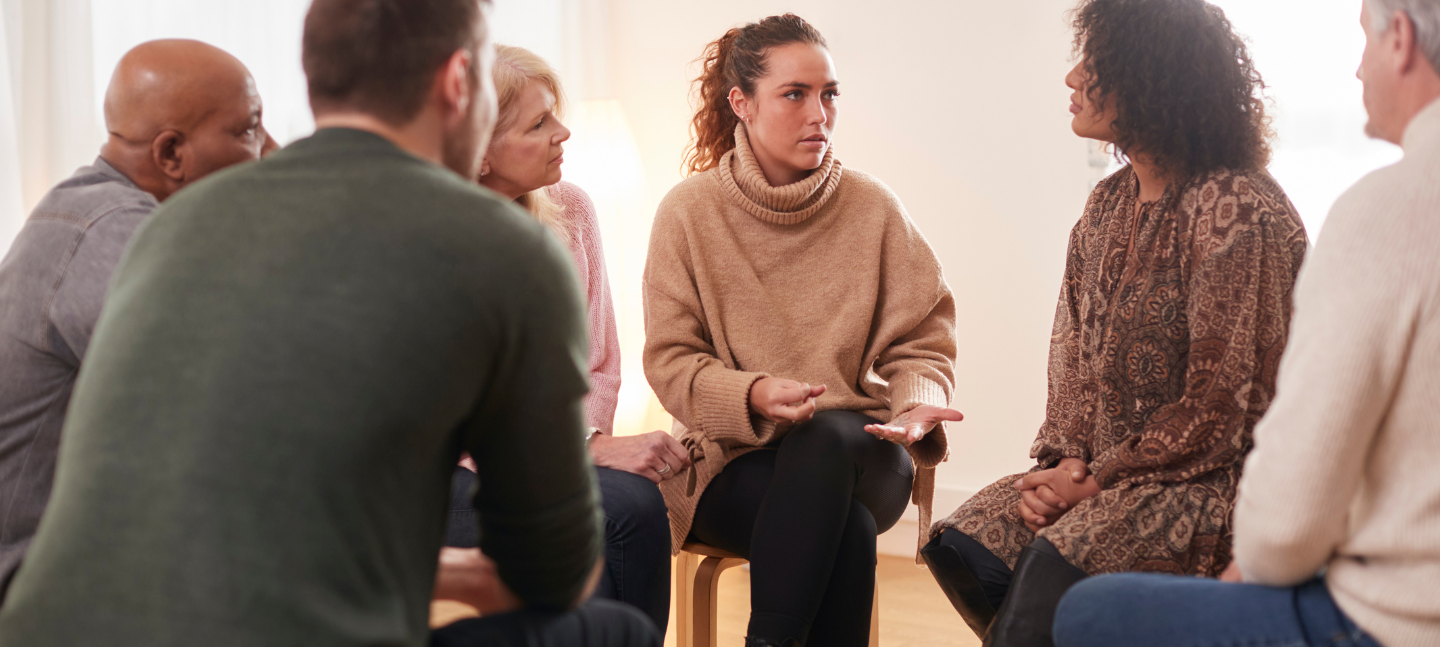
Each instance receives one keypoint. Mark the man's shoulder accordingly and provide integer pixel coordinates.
(1391, 206)
(94, 207)
(92, 193)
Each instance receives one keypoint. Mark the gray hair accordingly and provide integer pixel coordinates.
(1425, 14)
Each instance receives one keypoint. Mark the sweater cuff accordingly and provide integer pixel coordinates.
(909, 391)
(722, 403)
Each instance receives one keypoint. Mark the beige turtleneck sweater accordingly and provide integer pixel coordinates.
(824, 281)
(1343, 477)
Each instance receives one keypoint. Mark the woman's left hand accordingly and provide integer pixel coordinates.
(913, 425)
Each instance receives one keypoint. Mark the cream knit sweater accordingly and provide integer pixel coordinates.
(1345, 475)
(824, 281)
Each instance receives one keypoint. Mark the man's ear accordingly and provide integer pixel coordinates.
(455, 90)
(167, 152)
(1406, 48)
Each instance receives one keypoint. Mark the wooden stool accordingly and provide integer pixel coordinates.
(697, 584)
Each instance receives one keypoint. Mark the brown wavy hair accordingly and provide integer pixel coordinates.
(1185, 91)
(737, 59)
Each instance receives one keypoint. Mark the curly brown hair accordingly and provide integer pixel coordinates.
(736, 59)
(1184, 89)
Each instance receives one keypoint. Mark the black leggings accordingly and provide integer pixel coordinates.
(805, 513)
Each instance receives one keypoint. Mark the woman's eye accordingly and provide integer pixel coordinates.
(539, 124)
(832, 94)
(793, 94)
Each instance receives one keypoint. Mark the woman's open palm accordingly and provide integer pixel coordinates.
(913, 425)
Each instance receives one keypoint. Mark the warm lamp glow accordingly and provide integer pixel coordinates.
(602, 158)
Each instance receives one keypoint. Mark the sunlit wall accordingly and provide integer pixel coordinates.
(958, 105)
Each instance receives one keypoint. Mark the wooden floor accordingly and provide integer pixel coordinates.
(913, 611)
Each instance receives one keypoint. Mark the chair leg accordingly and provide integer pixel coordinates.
(875, 617)
(683, 576)
(704, 624)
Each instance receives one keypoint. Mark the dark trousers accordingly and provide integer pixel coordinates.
(599, 622)
(806, 513)
(637, 538)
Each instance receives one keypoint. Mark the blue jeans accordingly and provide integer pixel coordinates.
(637, 538)
(1160, 610)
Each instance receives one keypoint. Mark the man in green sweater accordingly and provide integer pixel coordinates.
(293, 356)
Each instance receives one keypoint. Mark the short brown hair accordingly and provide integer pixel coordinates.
(380, 56)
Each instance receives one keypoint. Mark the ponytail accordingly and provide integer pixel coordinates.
(737, 59)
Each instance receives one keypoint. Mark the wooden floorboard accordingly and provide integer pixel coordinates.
(913, 610)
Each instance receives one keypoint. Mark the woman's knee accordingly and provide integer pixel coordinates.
(837, 433)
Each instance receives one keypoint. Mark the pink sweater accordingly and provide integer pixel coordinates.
(584, 243)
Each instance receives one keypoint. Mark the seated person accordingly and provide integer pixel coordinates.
(175, 110)
(1172, 317)
(523, 164)
(800, 330)
(292, 359)
(1337, 526)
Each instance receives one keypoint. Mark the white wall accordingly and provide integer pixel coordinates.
(1308, 59)
(959, 105)
(961, 108)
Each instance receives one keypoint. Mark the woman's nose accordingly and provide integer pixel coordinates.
(1074, 79)
(563, 135)
(817, 112)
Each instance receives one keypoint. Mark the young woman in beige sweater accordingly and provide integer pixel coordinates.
(799, 329)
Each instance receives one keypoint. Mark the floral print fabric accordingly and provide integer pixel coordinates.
(1167, 340)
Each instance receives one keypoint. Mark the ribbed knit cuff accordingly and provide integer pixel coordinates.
(909, 391)
(722, 405)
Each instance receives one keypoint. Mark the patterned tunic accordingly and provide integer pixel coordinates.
(1164, 354)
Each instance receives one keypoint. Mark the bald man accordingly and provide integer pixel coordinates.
(176, 111)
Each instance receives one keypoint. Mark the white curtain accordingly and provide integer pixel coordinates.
(51, 127)
(12, 204)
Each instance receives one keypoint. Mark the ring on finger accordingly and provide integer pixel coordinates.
(664, 470)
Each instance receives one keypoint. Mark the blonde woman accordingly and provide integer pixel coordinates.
(523, 164)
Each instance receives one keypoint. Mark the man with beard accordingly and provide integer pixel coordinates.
(294, 356)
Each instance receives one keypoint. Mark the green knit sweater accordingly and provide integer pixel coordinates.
(293, 356)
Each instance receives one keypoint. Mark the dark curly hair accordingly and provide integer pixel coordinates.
(1182, 84)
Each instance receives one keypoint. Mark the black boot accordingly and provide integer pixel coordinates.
(1042, 576)
(959, 585)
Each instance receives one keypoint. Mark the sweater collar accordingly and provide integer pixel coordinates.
(791, 204)
(1423, 127)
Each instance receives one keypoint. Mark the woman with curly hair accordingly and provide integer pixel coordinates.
(1172, 317)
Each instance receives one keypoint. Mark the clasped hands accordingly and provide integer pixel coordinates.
(1046, 495)
(779, 399)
